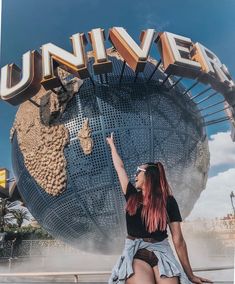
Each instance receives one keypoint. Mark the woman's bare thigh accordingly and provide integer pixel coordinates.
(143, 273)
(164, 280)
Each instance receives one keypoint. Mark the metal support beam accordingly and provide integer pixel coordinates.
(204, 108)
(164, 81)
(106, 78)
(34, 103)
(176, 83)
(92, 81)
(201, 93)
(101, 79)
(207, 98)
(209, 114)
(215, 121)
(122, 71)
(191, 87)
(136, 76)
(155, 69)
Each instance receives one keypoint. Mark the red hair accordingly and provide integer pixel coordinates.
(154, 201)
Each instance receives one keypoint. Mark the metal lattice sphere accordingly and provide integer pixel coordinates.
(150, 123)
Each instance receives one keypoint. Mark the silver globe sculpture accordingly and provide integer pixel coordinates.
(151, 122)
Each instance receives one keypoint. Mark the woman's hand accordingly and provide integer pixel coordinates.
(110, 140)
(199, 280)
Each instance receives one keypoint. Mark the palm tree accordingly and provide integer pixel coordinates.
(5, 211)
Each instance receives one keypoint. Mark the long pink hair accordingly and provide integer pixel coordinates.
(157, 190)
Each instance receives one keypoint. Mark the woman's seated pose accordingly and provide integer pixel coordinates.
(147, 257)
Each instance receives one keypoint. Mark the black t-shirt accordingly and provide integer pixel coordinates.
(135, 225)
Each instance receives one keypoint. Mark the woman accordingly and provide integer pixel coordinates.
(147, 257)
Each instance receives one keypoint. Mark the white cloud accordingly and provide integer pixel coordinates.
(215, 200)
(222, 149)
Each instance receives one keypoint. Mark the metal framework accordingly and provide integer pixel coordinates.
(151, 121)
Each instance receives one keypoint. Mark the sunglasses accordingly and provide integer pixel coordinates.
(139, 170)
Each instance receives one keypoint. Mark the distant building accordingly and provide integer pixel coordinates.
(222, 228)
(4, 185)
(8, 187)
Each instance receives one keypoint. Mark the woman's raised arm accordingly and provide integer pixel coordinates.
(118, 164)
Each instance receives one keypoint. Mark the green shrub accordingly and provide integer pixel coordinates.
(26, 233)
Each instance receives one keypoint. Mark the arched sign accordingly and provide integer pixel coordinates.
(180, 56)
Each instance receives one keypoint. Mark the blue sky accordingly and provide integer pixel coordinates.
(27, 24)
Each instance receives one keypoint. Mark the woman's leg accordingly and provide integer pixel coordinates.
(143, 273)
(165, 280)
